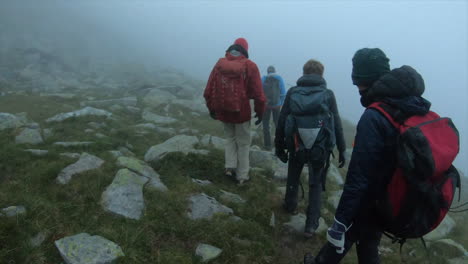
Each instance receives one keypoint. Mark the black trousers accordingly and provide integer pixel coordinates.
(266, 124)
(295, 166)
(365, 235)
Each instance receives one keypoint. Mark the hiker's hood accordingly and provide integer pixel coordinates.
(237, 50)
(401, 88)
(311, 80)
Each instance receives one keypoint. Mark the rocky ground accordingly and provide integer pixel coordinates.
(134, 175)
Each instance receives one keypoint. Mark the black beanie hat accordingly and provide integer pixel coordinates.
(369, 65)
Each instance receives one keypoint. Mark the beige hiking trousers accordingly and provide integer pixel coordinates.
(237, 148)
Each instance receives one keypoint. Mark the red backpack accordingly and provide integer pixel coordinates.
(422, 187)
(230, 85)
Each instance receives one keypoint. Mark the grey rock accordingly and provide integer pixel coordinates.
(116, 108)
(85, 163)
(281, 171)
(86, 249)
(8, 121)
(47, 133)
(100, 135)
(38, 239)
(348, 154)
(29, 136)
(37, 152)
(461, 260)
(444, 228)
(216, 142)
(116, 154)
(202, 206)
(157, 97)
(59, 95)
(189, 131)
(272, 219)
(147, 126)
(297, 224)
(152, 117)
(126, 101)
(144, 170)
(125, 195)
(96, 125)
(192, 105)
(199, 151)
(133, 110)
(201, 182)
(166, 130)
(73, 143)
(335, 175)
(334, 198)
(263, 159)
(235, 218)
(12, 211)
(448, 248)
(87, 111)
(180, 143)
(89, 130)
(71, 155)
(231, 197)
(207, 252)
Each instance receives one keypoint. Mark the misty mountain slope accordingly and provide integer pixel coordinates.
(154, 132)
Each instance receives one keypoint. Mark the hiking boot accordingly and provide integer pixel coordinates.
(309, 232)
(230, 173)
(309, 259)
(292, 211)
(241, 182)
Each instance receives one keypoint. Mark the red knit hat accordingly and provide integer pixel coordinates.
(242, 42)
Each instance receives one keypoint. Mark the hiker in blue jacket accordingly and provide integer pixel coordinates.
(275, 92)
(373, 158)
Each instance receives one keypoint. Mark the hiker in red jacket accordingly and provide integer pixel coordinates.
(233, 81)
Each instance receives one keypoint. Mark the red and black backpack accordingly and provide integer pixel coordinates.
(422, 187)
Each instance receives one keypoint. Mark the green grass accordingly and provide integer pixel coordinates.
(164, 234)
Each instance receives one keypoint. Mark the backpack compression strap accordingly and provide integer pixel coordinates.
(386, 111)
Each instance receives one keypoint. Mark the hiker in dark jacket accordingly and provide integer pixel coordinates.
(310, 84)
(373, 158)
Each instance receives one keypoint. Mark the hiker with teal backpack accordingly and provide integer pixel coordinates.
(400, 179)
(308, 128)
(275, 92)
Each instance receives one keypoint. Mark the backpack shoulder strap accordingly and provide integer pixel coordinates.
(386, 110)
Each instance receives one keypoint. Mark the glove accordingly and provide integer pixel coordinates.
(259, 119)
(341, 160)
(281, 154)
(213, 115)
(336, 235)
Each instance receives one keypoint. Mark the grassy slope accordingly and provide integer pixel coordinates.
(164, 234)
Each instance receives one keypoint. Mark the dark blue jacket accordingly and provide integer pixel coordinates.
(373, 159)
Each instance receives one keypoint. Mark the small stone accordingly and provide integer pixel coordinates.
(207, 252)
(13, 211)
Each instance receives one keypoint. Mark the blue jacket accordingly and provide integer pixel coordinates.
(373, 159)
(282, 87)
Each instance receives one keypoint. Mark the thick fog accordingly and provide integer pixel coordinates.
(431, 36)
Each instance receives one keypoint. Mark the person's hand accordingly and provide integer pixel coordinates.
(259, 119)
(341, 160)
(281, 154)
(213, 115)
(336, 235)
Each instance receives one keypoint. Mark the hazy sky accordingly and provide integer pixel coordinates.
(431, 36)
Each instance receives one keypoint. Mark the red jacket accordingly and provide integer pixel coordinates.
(254, 91)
